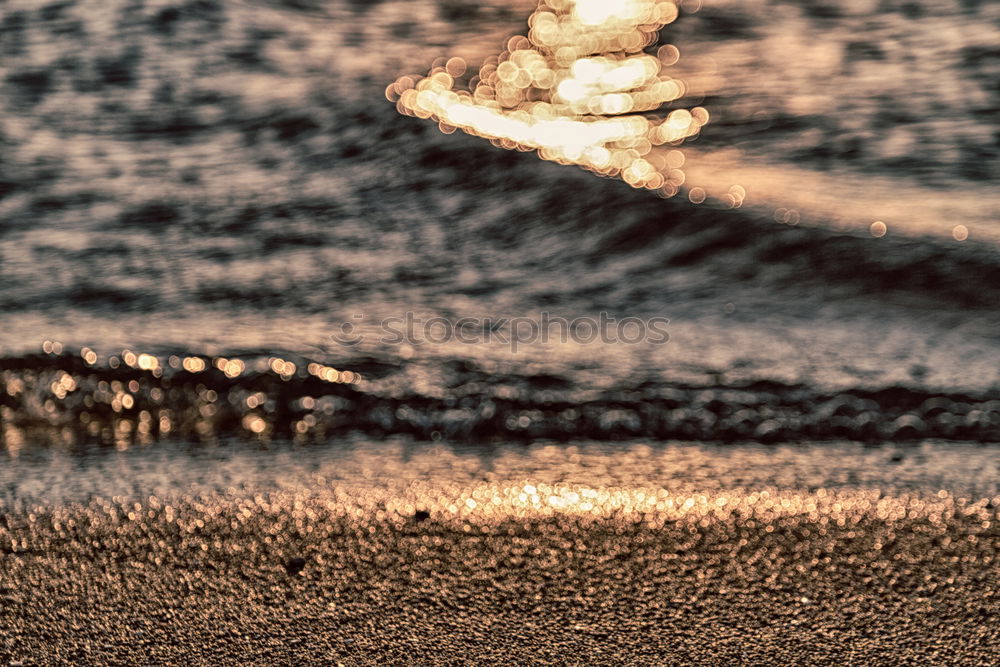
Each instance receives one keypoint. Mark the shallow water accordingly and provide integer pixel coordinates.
(226, 179)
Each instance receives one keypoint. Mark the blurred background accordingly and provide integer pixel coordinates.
(225, 179)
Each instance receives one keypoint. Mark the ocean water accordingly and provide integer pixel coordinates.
(195, 197)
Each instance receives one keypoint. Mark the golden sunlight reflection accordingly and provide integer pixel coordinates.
(675, 487)
(194, 364)
(794, 195)
(764, 506)
(231, 367)
(575, 90)
(331, 374)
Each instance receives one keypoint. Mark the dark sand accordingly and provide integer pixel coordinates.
(400, 553)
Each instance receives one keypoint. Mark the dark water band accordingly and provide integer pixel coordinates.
(59, 399)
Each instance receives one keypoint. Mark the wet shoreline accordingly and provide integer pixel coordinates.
(63, 399)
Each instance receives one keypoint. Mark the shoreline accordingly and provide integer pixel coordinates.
(138, 399)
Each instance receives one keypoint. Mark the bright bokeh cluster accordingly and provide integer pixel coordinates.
(579, 89)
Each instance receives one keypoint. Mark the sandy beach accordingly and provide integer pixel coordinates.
(763, 430)
(406, 554)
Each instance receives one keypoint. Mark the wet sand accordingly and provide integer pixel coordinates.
(598, 554)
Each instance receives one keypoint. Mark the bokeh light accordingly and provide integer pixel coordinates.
(577, 89)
